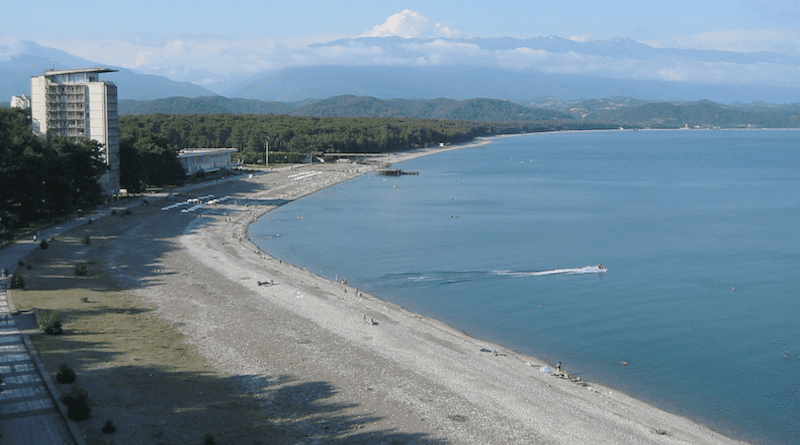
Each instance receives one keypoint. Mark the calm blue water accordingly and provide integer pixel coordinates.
(698, 229)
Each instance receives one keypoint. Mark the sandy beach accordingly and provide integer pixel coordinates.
(344, 366)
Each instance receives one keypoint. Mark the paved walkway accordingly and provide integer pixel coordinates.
(29, 411)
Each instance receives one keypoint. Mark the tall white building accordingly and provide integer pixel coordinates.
(77, 105)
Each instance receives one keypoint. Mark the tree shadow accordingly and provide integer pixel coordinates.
(153, 403)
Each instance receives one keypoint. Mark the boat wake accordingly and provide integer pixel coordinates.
(435, 278)
(569, 271)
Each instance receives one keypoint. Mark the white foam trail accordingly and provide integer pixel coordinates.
(542, 273)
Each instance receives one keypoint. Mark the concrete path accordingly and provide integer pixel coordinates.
(30, 414)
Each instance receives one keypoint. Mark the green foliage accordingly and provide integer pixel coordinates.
(80, 270)
(147, 159)
(43, 244)
(109, 427)
(65, 374)
(295, 136)
(43, 178)
(77, 401)
(50, 323)
(208, 439)
(17, 282)
(86, 240)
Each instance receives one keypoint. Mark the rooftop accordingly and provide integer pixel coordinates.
(80, 70)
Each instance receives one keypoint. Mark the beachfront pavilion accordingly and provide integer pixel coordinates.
(207, 160)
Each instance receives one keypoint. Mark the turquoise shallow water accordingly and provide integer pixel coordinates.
(698, 229)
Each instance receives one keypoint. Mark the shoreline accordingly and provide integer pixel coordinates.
(330, 363)
(361, 320)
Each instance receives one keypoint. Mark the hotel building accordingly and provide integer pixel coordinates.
(77, 105)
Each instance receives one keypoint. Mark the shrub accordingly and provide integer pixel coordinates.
(127, 212)
(208, 439)
(50, 323)
(80, 270)
(113, 211)
(109, 427)
(77, 401)
(65, 374)
(17, 282)
(86, 240)
(43, 244)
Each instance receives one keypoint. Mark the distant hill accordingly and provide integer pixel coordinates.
(31, 59)
(696, 114)
(351, 106)
(484, 110)
(465, 82)
(204, 105)
(621, 111)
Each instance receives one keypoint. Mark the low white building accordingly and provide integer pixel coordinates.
(207, 160)
(22, 101)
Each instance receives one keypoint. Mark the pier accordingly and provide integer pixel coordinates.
(395, 172)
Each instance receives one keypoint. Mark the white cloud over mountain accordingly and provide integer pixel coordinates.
(410, 39)
(408, 24)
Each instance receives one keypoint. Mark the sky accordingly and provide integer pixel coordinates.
(187, 40)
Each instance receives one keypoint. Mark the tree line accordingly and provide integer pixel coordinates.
(43, 178)
(306, 134)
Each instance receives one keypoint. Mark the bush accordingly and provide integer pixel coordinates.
(80, 270)
(113, 211)
(109, 427)
(127, 212)
(208, 439)
(77, 401)
(86, 240)
(17, 282)
(43, 244)
(65, 374)
(50, 323)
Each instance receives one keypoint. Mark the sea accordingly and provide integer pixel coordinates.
(696, 309)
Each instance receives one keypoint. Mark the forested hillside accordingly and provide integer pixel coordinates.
(621, 111)
(482, 110)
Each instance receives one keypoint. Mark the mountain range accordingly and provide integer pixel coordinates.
(31, 59)
(520, 70)
(615, 111)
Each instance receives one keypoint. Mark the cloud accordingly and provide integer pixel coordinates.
(410, 24)
(581, 38)
(746, 41)
(204, 60)
(10, 47)
(445, 31)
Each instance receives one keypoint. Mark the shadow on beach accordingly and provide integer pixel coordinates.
(139, 370)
